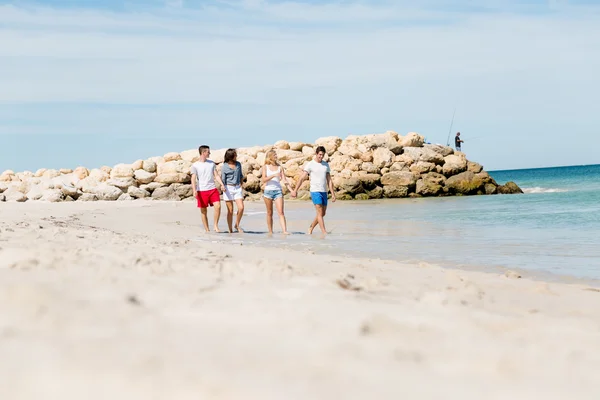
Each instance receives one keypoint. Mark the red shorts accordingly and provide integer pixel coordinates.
(208, 198)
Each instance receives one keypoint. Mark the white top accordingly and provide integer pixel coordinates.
(318, 175)
(273, 184)
(205, 173)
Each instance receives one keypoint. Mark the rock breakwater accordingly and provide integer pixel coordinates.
(373, 166)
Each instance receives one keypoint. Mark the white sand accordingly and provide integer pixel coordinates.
(110, 301)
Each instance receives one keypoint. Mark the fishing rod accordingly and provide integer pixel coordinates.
(450, 130)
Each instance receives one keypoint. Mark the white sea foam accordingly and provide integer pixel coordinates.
(543, 190)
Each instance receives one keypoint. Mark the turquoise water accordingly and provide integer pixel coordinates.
(554, 228)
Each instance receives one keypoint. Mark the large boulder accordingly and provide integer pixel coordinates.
(438, 148)
(173, 178)
(173, 172)
(428, 187)
(369, 168)
(121, 183)
(143, 176)
(282, 144)
(421, 167)
(382, 157)
(490, 188)
(331, 143)
(3, 187)
(400, 166)
(348, 148)
(51, 173)
(165, 193)
(88, 197)
(375, 193)
(71, 191)
(121, 171)
(399, 178)
(423, 154)
(465, 183)
(99, 175)
(81, 173)
(35, 192)
(53, 195)
(296, 146)
(7, 175)
(12, 194)
(151, 186)
(348, 185)
(509, 188)
(284, 155)
(150, 166)
(393, 191)
(474, 167)
(171, 167)
(182, 190)
(252, 184)
(137, 193)
(107, 192)
(369, 181)
(454, 164)
(412, 139)
(87, 185)
(172, 156)
(217, 156)
(137, 164)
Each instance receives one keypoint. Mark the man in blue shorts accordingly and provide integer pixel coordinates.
(320, 182)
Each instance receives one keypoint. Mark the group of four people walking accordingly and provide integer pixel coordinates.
(273, 177)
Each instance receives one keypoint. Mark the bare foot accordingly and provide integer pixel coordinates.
(310, 230)
(286, 233)
(217, 229)
(238, 229)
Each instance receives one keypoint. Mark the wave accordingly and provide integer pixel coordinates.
(543, 190)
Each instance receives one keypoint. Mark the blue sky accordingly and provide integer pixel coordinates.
(101, 82)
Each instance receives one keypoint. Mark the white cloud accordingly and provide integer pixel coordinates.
(392, 63)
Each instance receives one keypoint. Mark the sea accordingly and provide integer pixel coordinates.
(550, 231)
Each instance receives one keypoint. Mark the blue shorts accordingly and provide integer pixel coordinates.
(273, 194)
(319, 198)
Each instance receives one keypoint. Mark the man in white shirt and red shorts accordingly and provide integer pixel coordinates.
(204, 174)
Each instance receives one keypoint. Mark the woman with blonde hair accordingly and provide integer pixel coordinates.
(272, 177)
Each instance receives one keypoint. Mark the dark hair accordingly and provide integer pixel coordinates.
(229, 155)
(203, 148)
(320, 149)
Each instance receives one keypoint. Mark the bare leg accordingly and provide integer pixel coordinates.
(217, 207)
(229, 205)
(282, 222)
(205, 219)
(269, 204)
(321, 211)
(240, 214)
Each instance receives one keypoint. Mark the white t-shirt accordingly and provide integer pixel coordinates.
(318, 175)
(205, 173)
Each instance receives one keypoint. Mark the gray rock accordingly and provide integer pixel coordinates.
(88, 197)
(137, 193)
(165, 193)
(395, 191)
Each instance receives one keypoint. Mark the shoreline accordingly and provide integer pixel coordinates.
(234, 240)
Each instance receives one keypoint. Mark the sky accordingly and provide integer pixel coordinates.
(100, 82)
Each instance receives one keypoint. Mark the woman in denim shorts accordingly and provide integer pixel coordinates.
(272, 177)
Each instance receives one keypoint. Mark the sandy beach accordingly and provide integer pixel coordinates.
(113, 300)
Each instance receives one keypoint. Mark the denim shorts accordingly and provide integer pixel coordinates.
(319, 198)
(273, 194)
